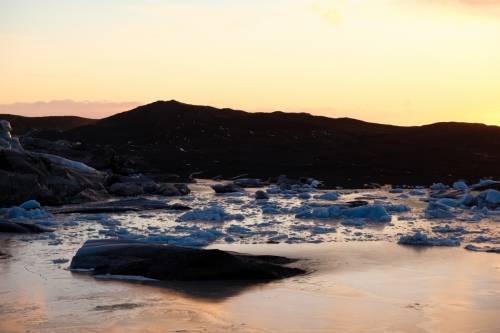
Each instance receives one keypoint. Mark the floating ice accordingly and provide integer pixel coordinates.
(449, 202)
(375, 213)
(273, 189)
(417, 192)
(421, 239)
(397, 208)
(489, 198)
(460, 185)
(239, 230)
(439, 187)
(21, 213)
(322, 230)
(31, 204)
(304, 195)
(330, 196)
(213, 213)
(437, 210)
(358, 223)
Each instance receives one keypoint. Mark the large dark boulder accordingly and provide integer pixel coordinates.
(169, 263)
(47, 178)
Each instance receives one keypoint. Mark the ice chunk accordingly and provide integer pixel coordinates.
(330, 196)
(239, 230)
(417, 192)
(322, 230)
(213, 213)
(273, 189)
(79, 166)
(375, 213)
(449, 202)
(421, 239)
(437, 210)
(489, 198)
(16, 212)
(397, 208)
(321, 213)
(304, 195)
(19, 212)
(460, 185)
(30, 204)
(358, 223)
(439, 187)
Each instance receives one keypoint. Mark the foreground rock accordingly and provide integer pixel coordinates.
(168, 263)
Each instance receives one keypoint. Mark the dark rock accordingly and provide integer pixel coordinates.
(89, 195)
(168, 190)
(126, 189)
(261, 195)
(489, 249)
(136, 204)
(150, 187)
(22, 228)
(183, 189)
(356, 203)
(249, 182)
(168, 262)
(226, 188)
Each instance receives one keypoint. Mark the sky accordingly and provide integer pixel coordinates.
(405, 62)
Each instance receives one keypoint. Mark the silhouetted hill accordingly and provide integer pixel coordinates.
(21, 124)
(181, 138)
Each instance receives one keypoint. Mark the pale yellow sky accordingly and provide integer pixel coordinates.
(401, 62)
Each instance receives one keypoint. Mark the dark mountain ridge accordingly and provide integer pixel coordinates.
(169, 136)
(22, 124)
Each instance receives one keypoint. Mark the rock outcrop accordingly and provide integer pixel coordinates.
(48, 178)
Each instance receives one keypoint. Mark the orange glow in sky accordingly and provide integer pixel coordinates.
(400, 62)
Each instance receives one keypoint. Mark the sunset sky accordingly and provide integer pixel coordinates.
(403, 62)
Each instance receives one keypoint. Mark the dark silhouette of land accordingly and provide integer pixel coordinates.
(22, 125)
(172, 137)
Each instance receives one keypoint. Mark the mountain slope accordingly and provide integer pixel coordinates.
(181, 138)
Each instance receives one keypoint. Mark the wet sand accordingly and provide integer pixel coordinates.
(351, 287)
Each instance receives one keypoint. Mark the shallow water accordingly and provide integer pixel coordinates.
(352, 287)
(360, 280)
